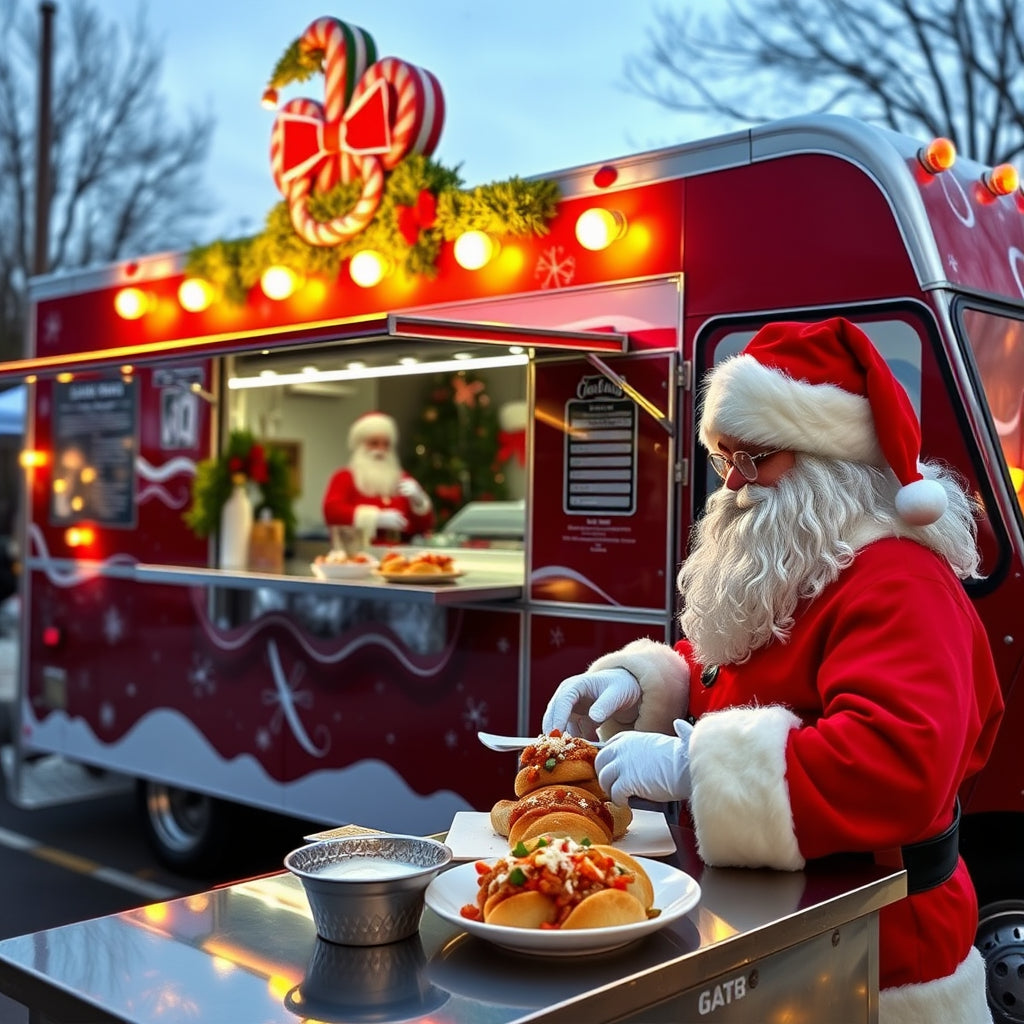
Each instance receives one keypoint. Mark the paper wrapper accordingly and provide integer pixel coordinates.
(266, 546)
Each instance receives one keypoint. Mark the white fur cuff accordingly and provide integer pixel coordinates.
(664, 679)
(959, 998)
(740, 801)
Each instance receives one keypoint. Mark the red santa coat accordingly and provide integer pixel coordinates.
(856, 735)
(345, 505)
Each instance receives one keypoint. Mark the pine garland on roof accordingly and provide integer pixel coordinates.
(509, 208)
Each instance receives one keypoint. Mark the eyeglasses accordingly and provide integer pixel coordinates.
(741, 461)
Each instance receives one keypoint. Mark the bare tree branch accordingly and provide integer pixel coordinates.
(922, 67)
(125, 179)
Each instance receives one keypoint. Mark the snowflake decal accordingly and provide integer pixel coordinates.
(113, 626)
(503, 645)
(107, 715)
(557, 637)
(451, 739)
(554, 268)
(201, 676)
(954, 263)
(475, 715)
(52, 327)
(263, 739)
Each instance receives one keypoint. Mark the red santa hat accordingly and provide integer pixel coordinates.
(372, 424)
(823, 388)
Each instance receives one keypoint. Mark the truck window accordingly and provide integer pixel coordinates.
(998, 346)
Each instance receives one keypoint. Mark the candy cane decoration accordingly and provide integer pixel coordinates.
(348, 51)
(392, 110)
(418, 111)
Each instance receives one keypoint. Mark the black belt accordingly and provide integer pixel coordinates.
(928, 863)
(932, 861)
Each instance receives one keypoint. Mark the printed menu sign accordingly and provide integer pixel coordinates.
(602, 497)
(600, 450)
(94, 442)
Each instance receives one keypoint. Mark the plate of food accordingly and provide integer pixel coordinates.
(337, 565)
(607, 898)
(557, 791)
(428, 567)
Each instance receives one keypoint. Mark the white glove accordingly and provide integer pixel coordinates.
(391, 519)
(646, 764)
(585, 701)
(418, 500)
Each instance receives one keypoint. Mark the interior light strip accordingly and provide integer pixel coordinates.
(271, 379)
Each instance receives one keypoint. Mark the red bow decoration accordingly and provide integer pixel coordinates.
(307, 141)
(512, 443)
(421, 215)
(449, 492)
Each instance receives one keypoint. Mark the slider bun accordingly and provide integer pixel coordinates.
(606, 909)
(562, 824)
(564, 773)
(524, 910)
(641, 887)
(424, 569)
(499, 816)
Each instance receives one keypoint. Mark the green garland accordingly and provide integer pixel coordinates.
(215, 479)
(514, 207)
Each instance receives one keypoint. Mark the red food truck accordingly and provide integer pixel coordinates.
(360, 700)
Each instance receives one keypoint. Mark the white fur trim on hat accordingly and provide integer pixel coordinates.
(372, 424)
(959, 998)
(751, 402)
(664, 679)
(740, 800)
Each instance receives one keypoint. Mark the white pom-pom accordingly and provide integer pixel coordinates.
(921, 503)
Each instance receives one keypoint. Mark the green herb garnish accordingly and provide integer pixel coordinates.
(517, 876)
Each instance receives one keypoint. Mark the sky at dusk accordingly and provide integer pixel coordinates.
(530, 88)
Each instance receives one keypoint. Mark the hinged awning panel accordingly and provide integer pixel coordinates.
(384, 328)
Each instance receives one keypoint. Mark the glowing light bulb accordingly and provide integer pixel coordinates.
(279, 282)
(474, 249)
(368, 267)
(597, 228)
(1001, 180)
(938, 156)
(195, 294)
(131, 303)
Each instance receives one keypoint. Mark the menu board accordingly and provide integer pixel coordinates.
(603, 497)
(95, 441)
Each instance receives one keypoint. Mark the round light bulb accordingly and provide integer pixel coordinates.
(195, 294)
(131, 303)
(278, 282)
(367, 268)
(474, 249)
(597, 227)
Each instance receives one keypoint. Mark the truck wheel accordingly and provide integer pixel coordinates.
(187, 831)
(1001, 941)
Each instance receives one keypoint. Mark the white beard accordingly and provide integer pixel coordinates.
(375, 473)
(761, 552)
(757, 553)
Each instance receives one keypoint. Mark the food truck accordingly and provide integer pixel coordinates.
(149, 655)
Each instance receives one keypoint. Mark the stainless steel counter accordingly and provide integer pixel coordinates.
(479, 584)
(759, 946)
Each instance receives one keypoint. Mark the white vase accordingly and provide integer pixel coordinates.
(235, 529)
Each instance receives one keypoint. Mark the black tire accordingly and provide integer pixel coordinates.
(1001, 941)
(187, 831)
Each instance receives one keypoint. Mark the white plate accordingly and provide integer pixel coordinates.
(675, 894)
(415, 577)
(342, 570)
(471, 836)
